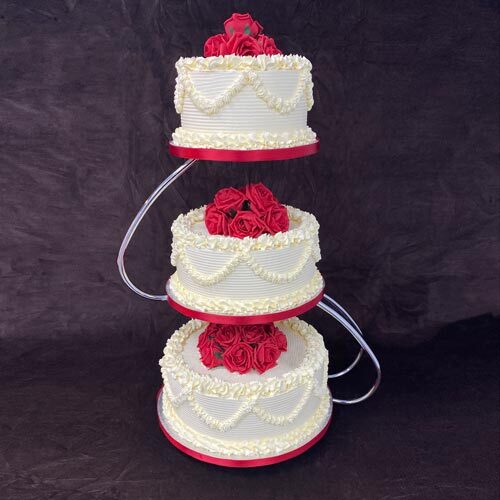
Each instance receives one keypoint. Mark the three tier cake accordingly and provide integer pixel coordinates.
(248, 385)
(245, 381)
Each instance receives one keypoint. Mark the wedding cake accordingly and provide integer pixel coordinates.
(239, 416)
(248, 386)
(244, 94)
(245, 382)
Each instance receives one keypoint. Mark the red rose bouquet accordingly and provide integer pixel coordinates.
(246, 212)
(243, 37)
(241, 348)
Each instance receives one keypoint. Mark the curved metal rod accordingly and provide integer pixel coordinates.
(347, 317)
(361, 341)
(137, 220)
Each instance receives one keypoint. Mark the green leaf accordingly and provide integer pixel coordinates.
(247, 30)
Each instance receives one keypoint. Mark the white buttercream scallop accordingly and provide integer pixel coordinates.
(225, 275)
(243, 102)
(251, 414)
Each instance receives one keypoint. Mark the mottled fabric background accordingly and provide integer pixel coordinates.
(405, 186)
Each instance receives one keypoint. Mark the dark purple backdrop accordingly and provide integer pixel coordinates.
(405, 188)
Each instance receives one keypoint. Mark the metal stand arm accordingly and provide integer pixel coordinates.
(343, 317)
(137, 220)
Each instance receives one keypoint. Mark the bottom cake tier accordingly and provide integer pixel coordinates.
(253, 418)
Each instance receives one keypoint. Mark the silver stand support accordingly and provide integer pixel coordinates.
(337, 312)
(327, 304)
(137, 220)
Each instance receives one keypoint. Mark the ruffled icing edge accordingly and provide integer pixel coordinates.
(173, 363)
(258, 447)
(233, 62)
(183, 235)
(243, 141)
(238, 307)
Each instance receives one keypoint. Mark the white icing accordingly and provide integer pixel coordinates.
(226, 275)
(234, 62)
(236, 307)
(234, 102)
(269, 446)
(211, 382)
(210, 93)
(243, 140)
(248, 412)
(186, 232)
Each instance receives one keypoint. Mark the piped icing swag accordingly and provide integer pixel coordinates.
(249, 211)
(243, 37)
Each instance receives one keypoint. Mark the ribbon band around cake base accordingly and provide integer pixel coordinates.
(244, 155)
(235, 463)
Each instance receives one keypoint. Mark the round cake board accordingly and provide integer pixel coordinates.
(244, 155)
(225, 319)
(223, 461)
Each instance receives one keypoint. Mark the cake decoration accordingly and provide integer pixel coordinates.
(251, 271)
(244, 94)
(243, 37)
(247, 414)
(249, 385)
(246, 212)
(241, 348)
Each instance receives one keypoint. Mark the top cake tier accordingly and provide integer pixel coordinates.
(245, 96)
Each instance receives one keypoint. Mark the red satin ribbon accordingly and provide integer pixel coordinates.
(245, 320)
(256, 462)
(239, 155)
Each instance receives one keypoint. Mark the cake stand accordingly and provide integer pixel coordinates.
(323, 301)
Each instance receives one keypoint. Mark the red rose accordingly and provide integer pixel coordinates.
(204, 338)
(253, 334)
(228, 199)
(267, 45)
(210, 354)
(265, 356)
(212, 45)
(276, 219)
(227, 335)
(238, 358)
(216, 221)
(246, 223)
(279, 340)
(261, 198)
(241, 45)
(242, 23)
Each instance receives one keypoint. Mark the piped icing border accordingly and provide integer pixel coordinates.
(173, 363)
(212, 105)
(242, 141)
(247, 258)
(233, 62)
(257, 447)
(184, 236)
(247, 406)
(236, 307)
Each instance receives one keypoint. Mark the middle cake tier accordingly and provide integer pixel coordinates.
(224, 275)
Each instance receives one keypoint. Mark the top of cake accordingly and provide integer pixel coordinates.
(244, 94)
(243, 46)
(243, 37)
